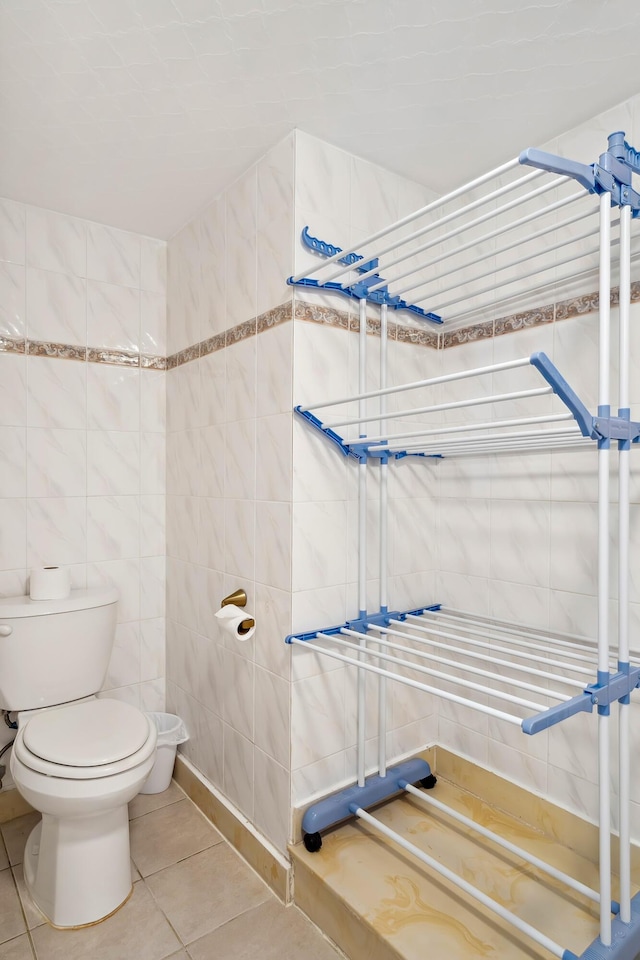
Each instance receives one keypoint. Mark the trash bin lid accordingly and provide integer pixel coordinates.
(87, 734)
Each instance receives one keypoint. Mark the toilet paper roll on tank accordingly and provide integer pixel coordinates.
(49, 583)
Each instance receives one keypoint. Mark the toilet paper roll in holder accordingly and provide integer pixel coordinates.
(239, 599)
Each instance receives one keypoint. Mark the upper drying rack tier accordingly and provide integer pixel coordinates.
(509, 240)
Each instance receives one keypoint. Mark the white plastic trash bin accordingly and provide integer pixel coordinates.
(171, 732)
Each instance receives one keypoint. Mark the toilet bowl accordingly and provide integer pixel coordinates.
(79, 765)
(76, 759)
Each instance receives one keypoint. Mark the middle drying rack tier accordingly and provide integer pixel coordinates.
(570, 426)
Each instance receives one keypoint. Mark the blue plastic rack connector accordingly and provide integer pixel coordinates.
(361, 623)
(624, 667)
(609, 688)
(359, 450)
(562, 389)
(331, 435)
(602, 427)
(332, 810)
(401, 454)
(580, 172)
(612, 173)
(625, 939)
(624, 414)
(621, 428)
(357, 291)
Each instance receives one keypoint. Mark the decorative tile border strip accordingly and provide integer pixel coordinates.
(120, 358)
(9, 345)
(524, 320)
(577, 306)
(183, 356)
(562, 310)
(243, 331)
(274, 317)
(69, 351)
(326, 316)
(213, 344)
(151, 362)
(417, 337)
(332, 317)
(60, 351)
(318, 313)
(477, 331)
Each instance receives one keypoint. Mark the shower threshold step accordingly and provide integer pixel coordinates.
(378, 903)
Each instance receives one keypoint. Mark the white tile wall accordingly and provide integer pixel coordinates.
(279, 531)
(229, 479)
(12, 294)
(82, 459)
(57, 307)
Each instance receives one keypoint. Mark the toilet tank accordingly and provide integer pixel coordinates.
(53, 651)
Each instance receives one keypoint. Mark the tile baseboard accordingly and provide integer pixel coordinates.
(559, 824)
(272, 867)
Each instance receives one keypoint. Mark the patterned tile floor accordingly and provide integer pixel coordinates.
(193, 899)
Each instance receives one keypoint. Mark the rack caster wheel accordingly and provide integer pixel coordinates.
(312, 842)
(428, 782)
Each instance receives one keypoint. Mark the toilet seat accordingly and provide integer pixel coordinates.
(84, 741)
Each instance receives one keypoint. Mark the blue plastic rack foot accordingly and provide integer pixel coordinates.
(625, 939)
(332, 810)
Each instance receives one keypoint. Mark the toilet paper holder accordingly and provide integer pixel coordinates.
(239, 599)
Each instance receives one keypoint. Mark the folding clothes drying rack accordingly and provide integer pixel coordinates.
(549, 672)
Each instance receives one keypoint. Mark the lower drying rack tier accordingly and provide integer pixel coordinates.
(525, 676)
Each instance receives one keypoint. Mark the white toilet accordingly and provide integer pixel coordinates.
(76, 759)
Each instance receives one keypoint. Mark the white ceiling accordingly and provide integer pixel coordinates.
(136, 113)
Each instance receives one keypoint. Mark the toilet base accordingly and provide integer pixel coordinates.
(78, 870)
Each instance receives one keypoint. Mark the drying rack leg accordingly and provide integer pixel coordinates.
(332, 810)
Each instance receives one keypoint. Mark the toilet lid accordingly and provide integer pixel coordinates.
(87, 734)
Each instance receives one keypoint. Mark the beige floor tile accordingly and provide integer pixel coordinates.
(146, 802)
(15, 833)
(33, 916)
(4, 859)
(136, 932)
(11, 920)
(170, 834)
(18, 949)
(270, 932)
(205, 891)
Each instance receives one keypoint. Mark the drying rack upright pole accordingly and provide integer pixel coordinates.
(604, 760)
(362, 537)
(384, 534)
(624, 756)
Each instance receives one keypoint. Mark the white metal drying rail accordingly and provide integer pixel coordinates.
(481, 437)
